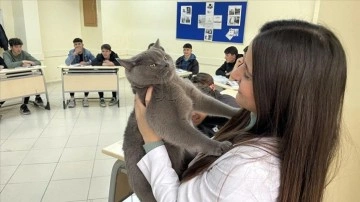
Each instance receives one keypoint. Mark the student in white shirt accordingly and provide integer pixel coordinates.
(292, 82)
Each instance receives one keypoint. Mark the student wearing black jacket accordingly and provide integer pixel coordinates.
(106, 58)
(231, 55)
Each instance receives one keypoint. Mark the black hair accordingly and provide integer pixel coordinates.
(15, 42)
(76, 40)
(203, 81)
(303, 107)
(284, 23)
(187, 45)
(106, 46)
(231, 50)
(202, 78)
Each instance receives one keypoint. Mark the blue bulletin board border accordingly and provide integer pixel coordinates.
(188, 21)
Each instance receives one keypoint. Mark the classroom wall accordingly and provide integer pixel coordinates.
(58, 31)
(129, 26)
(149, 20)
(343, 19)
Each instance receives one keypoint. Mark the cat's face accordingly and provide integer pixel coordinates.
(152, 66)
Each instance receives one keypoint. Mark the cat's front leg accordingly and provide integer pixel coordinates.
(183, 134)
(214, 107)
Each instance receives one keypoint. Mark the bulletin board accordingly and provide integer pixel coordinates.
(211, 21)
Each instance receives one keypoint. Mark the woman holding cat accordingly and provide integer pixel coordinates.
(285, 138)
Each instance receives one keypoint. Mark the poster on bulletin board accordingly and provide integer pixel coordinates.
(211, 21)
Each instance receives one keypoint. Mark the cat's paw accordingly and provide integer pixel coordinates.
(222, 147)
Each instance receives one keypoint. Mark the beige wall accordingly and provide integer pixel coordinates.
(58, 30)
(146, 25)
(344, 18)
(129, 26)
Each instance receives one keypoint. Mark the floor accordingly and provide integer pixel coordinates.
(55, 155)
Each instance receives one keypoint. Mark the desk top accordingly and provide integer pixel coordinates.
(183, 73)
(21, 69)
(88, 67)
(225, 83)
(114, 150)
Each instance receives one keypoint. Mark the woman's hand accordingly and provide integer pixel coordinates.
(140, 110)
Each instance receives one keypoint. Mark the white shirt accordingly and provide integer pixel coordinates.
(245, 173)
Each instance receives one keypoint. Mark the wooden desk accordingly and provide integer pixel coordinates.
(23, 82)
(89, 79)
(115, 150)
(119, 185)
(183, 73)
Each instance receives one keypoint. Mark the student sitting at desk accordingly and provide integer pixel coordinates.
(16, 57)
(106, 58)
(231, 55)
(188, 61)
(79, 55)
(210, 124)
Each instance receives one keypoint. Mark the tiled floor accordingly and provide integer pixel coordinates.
(55, 155)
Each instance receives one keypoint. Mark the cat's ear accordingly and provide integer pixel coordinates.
(157, 44)
(127, 63)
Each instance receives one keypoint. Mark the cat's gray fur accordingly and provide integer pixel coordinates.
(168, 113)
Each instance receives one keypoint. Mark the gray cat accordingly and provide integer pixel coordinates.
(169, 114)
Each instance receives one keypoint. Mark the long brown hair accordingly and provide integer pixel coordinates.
(299, 77)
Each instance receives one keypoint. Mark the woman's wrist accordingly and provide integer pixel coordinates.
(150, 137)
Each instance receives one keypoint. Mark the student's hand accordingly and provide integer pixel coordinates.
(107, 63)
(197, 117)
(83, 63)
(27, 63)
(77, 50)
(146, 131)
